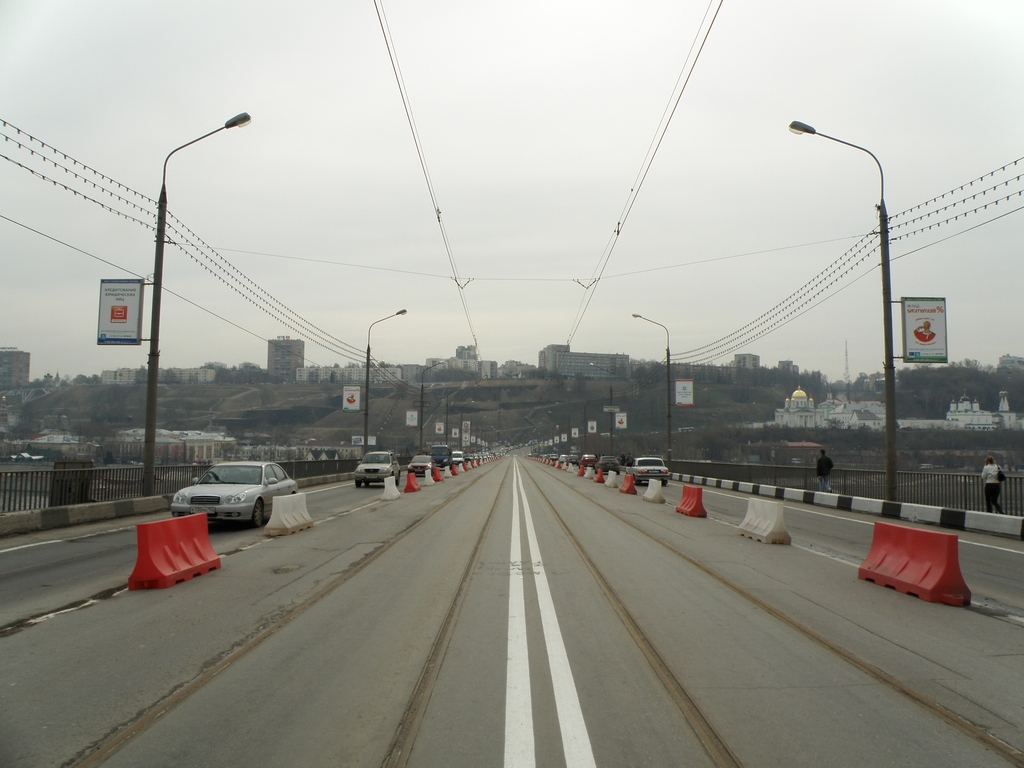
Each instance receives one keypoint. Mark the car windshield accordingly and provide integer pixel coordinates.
(421, 459)
(233, 475)
(376, 458)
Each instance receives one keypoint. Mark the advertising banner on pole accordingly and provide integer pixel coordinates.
(684, 391)
(357, 440)
(439, 428)
(620, 420)
(350, 399)
(924, 330)
(591, 427)
(555, 438)
(412, 419)
(575, 432)
(120, 312)
(465, 432)
(565, 438)
(455, 432)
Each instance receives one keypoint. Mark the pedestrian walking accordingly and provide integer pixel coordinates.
(824, 468)
(992, 476)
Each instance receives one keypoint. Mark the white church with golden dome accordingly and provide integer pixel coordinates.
(800, 411)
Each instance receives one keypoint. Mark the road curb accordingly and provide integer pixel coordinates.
(1008, 526)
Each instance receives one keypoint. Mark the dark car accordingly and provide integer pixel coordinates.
(442, 455)
(608, 464)
(588, 460)
(574, 459)
(421, 465)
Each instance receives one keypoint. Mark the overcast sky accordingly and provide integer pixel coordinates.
(534, 118)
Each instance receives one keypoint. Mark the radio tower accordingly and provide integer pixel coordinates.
(846, 371)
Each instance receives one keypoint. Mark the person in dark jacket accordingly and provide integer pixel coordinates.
(824, 468)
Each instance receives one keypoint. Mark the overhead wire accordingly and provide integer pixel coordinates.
(698, 42)
(407, 105)
(204, 255)
(819, 288)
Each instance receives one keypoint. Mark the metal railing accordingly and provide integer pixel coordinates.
(952, 490)
(33, 488)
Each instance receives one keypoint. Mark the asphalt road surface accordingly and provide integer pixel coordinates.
(512, 616)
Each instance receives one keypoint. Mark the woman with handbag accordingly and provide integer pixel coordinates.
(993, 477)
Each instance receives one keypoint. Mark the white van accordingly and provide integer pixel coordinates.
(457, 458)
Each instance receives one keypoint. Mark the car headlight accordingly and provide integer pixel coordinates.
(180, 498)
(238, 498)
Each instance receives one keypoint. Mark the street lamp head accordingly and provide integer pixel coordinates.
(798, 128)
(639, 316)
(238, 121)
(401, 312)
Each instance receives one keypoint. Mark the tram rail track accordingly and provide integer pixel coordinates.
(98, 752)
(1006, 751)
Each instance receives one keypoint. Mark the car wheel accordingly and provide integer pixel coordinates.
(257, 520)
(664, 481)
(359, 483)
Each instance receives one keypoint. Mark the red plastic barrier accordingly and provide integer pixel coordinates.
(558, 465)
(582, 472)
(692, 503)
(455, 469)
(599, 477)
(915, 562)
(172, 551)
(628, 485)
(411, 486)
(437, 474)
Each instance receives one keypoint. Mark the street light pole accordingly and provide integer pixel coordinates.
(153, 368)
(611, 423)
(366, 401)
(889, 364)
(423, 375)
(668, 388)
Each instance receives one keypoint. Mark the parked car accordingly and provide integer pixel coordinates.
(647, 468)
(588, 460)
(442, 455)
(376, 467)
(420, 465)
(241, 490)
(608, 464)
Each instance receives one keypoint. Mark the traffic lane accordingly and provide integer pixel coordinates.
(775, 696)
(78, 676)
(629, 719)
(58, 568)
(330, 688)
(992, 566)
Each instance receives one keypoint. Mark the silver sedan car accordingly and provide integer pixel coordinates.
(239, 490)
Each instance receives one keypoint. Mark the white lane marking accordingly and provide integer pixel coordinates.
(872, 522)
(519, 740)
(575, 739)
(29, 546)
